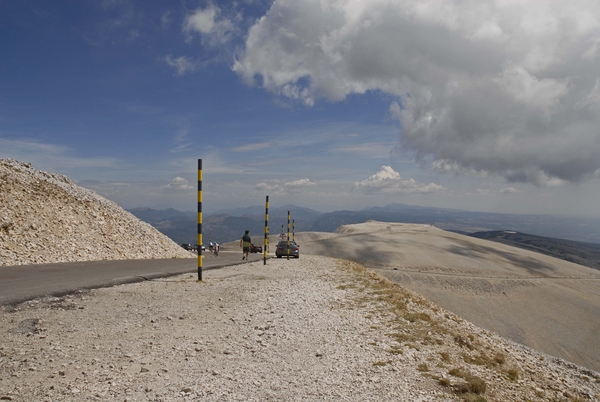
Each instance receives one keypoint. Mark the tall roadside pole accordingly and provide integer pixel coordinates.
(266, 231)
(288, 237)
(199, 219)
(294, 230)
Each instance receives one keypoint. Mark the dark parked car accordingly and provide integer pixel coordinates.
(282, 249)
(187, 246)
(255, 248)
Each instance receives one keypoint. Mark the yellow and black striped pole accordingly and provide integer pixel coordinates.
(294, 230)
(199, 219)
(288, 237)
(266, 231)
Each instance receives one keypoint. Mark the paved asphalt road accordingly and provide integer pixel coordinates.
(25, 282)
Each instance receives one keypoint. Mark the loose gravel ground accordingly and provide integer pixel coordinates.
(315, 328)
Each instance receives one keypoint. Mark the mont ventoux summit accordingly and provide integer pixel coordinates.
(74, 224)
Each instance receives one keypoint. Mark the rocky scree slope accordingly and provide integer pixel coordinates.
(46, 218)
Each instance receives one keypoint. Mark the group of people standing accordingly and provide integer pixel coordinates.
(245, 244)
(214, 247)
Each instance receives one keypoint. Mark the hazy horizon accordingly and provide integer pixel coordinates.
(581, 229)
(276, 206)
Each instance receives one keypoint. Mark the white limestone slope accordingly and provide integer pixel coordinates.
(46, 218)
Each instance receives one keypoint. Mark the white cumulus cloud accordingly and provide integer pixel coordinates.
(179, 184)
(387, 180)
(498, 87)
(182, 64)
(214, 28)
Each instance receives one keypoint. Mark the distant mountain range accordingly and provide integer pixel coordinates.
(564, 227)
(229, 225)
(226, 225)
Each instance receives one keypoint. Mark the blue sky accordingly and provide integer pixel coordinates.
(487, 105)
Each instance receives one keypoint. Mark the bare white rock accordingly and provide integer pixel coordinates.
(46, 218)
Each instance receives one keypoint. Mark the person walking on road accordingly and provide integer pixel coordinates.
(245, 243)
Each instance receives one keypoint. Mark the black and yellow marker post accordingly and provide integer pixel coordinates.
(266, 231)
(288, 237)
(199, 219)
(294, 230)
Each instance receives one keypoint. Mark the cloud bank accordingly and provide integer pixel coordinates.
(279, 187)
(500, 87)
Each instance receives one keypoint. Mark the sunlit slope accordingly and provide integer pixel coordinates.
(543, 302)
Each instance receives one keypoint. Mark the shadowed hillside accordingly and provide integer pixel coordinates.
(587, 254)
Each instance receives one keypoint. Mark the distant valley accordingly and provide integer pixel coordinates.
(587, 254)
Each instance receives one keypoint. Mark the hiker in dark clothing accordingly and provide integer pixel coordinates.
(245, 243)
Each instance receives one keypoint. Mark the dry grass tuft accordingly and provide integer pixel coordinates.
(445, 357)
(416, 325)
(499, 358)
(513, 374)
(414, 317)
(462, 342)
(472, 385)
(480, 360)
(473, 398)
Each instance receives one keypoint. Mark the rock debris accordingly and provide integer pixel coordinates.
(311, 329)
(46, 218)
